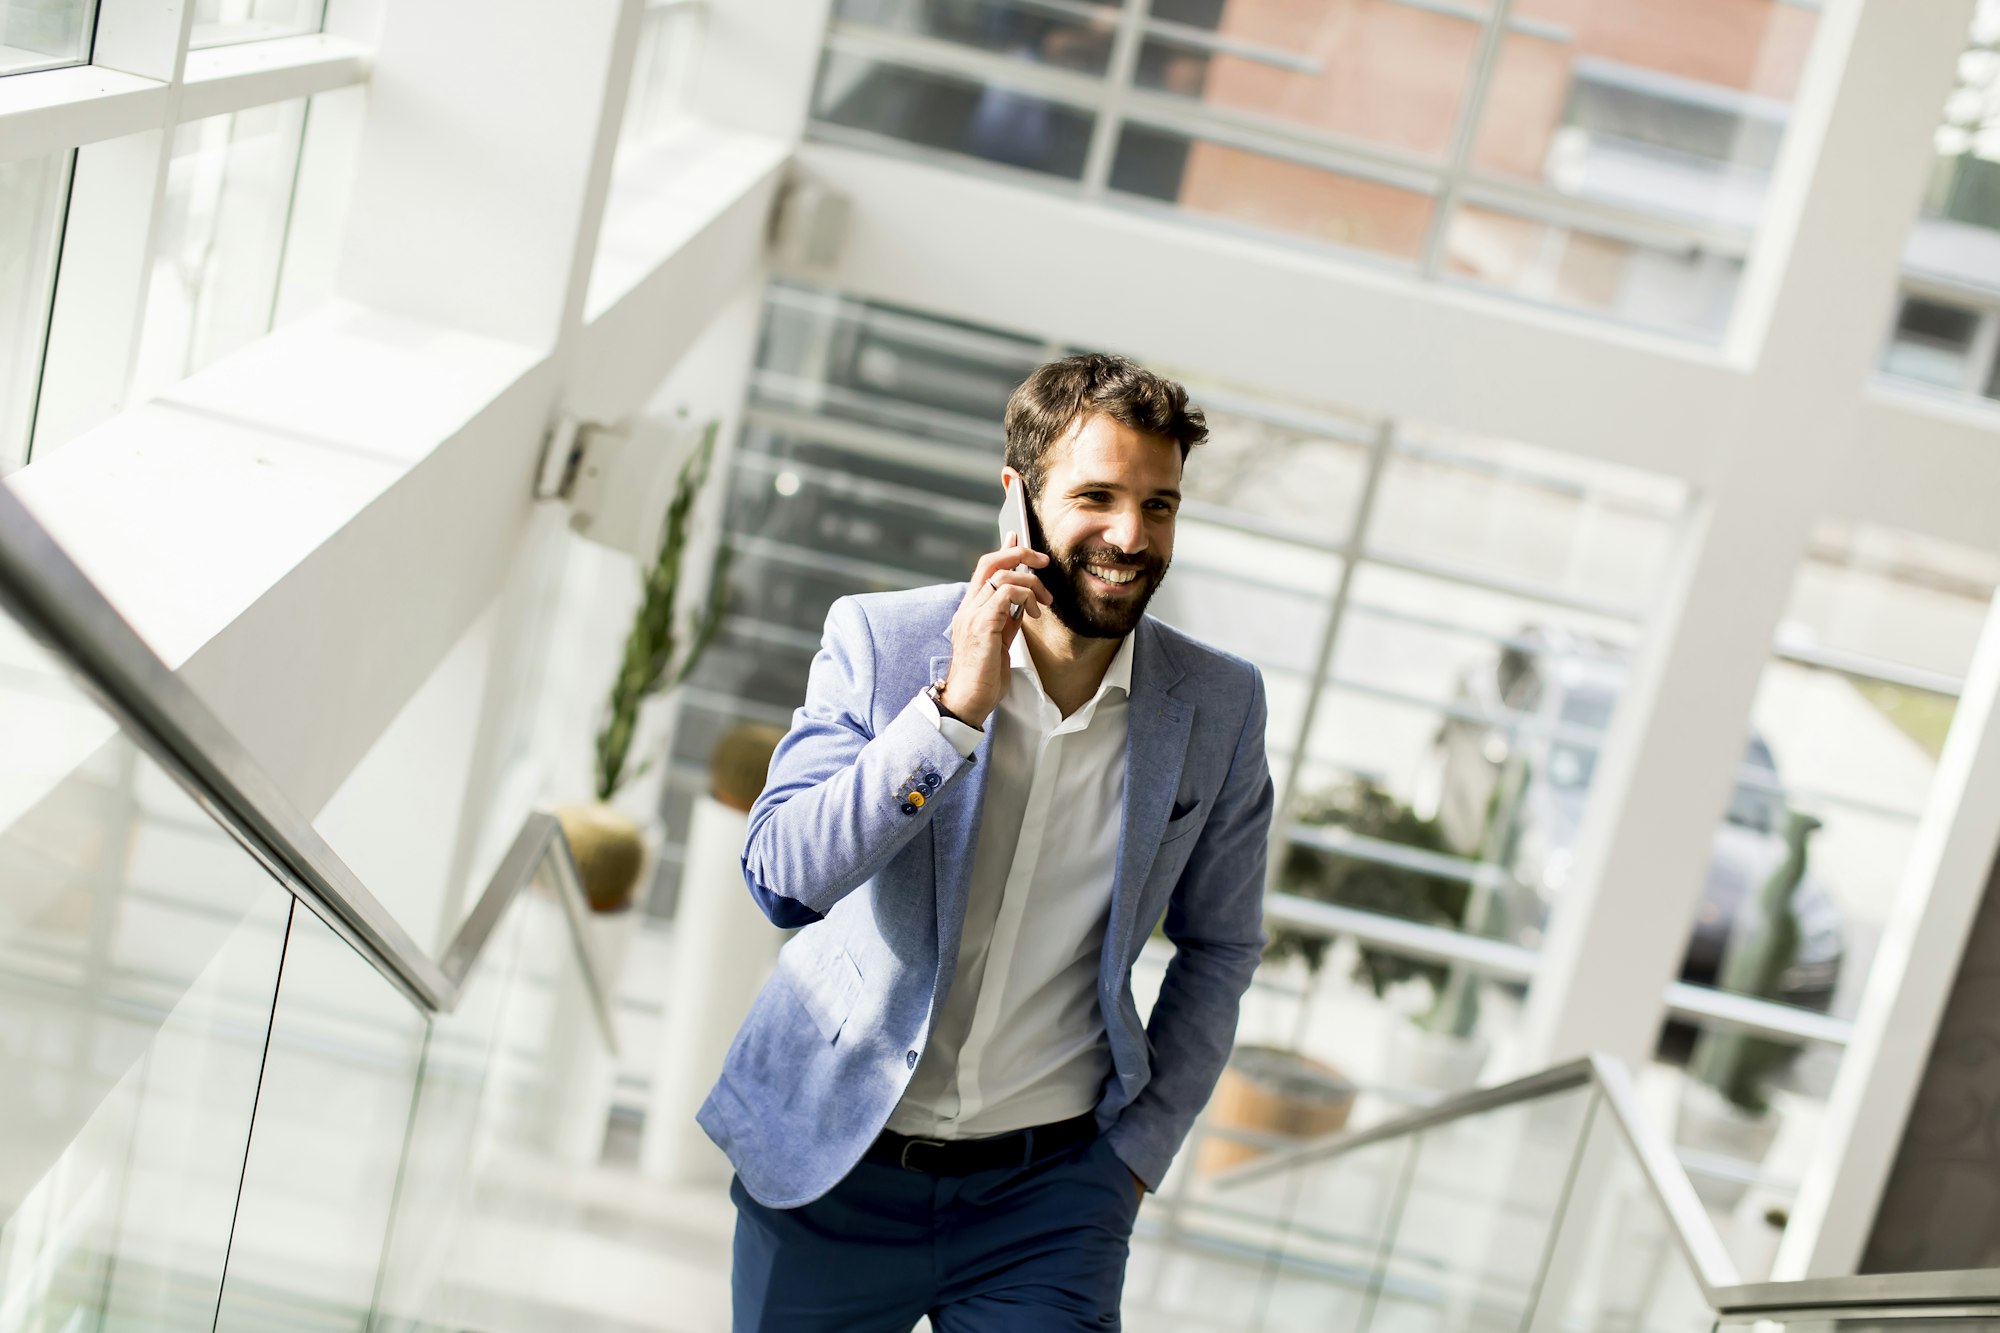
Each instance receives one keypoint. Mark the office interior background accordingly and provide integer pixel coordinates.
(1603, 473)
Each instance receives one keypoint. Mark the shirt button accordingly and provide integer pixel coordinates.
(911, 1059)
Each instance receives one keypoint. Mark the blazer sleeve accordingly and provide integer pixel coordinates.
(1215, 920)
(842, 799)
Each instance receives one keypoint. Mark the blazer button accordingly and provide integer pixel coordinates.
(911, 1060)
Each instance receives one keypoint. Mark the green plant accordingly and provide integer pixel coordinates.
(1327, 875)
(648, 665)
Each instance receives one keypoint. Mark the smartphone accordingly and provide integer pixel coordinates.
(1014, 518)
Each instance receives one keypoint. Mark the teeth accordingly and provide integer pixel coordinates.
(1114, 575)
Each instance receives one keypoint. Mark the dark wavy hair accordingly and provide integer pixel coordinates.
(1058, 394)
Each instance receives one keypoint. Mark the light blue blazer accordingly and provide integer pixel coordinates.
(864, 837)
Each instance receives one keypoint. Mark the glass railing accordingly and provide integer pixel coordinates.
(238, 1096)
(1540, 1205)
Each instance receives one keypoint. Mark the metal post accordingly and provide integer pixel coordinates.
(1351, 555)
(1457, 165)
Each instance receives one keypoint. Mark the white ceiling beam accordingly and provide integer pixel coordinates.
(56, 110)
(1273, 318)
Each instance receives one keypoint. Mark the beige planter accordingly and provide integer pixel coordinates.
(610, 851)
(1272, 1092)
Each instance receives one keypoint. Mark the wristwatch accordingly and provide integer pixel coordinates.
(936, 692)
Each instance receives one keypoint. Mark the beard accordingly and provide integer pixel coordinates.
(1084, 611)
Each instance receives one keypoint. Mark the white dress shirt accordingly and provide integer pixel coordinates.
(1020, 1040)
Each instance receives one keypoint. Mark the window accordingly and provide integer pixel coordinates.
(44, 34)
(1440, 662)
(1845, 734)
(225, 22)
(34, 192)
(221, 240)
(1609, 157)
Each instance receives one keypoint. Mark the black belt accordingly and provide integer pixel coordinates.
(962, 1157)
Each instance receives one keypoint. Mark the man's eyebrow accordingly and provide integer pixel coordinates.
(1167, 491)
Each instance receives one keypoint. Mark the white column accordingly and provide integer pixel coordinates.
(724, 948)
(1914, 971)
(1814, 304)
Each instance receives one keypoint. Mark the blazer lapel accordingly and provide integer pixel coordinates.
(954, 833)
(1157, 727)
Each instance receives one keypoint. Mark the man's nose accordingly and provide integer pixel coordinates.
(1127, 532)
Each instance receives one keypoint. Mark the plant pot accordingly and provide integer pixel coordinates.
(1416, 1058)
(1276, 1093)
(609, 847)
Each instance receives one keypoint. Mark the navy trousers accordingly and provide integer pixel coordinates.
(1014, 1250)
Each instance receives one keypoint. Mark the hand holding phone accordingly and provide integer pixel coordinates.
(1014, 522)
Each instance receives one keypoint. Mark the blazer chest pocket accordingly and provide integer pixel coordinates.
(1186, 819)
(827, 983)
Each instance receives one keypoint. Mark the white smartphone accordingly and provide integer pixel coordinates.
(1014, 519)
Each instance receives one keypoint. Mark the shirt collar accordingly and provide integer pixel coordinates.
(1116, 676)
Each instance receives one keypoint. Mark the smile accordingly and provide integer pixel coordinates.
(1109, 575)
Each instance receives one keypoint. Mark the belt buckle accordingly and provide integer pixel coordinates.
(903, 1158)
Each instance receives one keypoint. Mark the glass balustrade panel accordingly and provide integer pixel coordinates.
(1484, 1197)
(1616, 1260)
(423, 1278)
(118, 894)
(332, 1117)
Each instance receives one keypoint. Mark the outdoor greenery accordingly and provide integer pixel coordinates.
(648, 666)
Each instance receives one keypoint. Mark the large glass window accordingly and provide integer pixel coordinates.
(33, 192)
(221, 240)
(1608, 156)
(1440, 621)
(1804, 870)
(1946, 334)
(44, 34)
(224, 22)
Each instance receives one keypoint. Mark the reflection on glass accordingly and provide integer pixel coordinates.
(30, 226)
(1617, 1260)
(119, 895)
(1933, 342)
(139, 949)
(436, 1197)
(224, 22)
(1271, 194)
(221, 240)
(1025, 31)
(44, 34)
(332, 1114)
(1636, 105)
(1356, 69)
(1484, 1196)
(953, 114)
(1687, 291)
(130, 1225)
(669, 37)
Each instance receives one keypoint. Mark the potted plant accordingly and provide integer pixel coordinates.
(1272, 1092)
(608, 844)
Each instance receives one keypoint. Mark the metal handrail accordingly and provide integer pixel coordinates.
(54, 601)
(1700, 1245)
(1940, 1294)
(1871, 1295)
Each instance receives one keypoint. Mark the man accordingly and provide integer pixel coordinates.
(944, 1102)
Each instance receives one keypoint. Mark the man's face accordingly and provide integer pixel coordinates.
(1106, 514)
